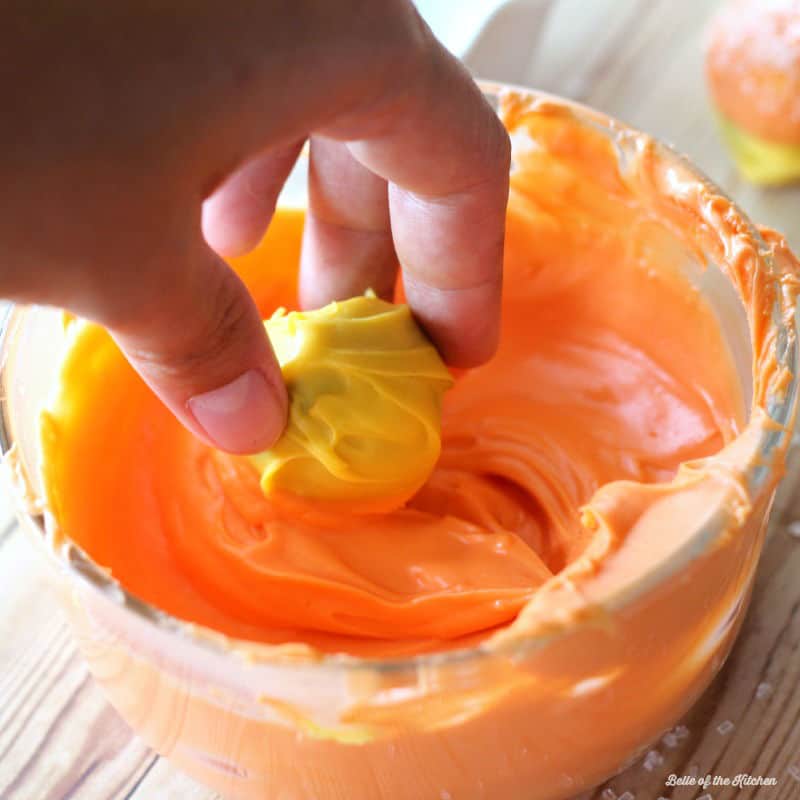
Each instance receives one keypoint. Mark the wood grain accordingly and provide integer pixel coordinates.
(58, 737)
(639, 60)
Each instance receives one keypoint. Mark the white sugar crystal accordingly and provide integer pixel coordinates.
(609, 794)
(794, 771)
(763, 690)
(652, 760)
(705, 796)
(670, 739)
(793, 529)
(725, 727)
(681, 731)
(694, 770)
(627, 796)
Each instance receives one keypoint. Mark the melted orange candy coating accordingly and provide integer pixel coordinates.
(591, 522)
(611, 368)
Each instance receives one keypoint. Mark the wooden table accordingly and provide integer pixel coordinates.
(639, 60)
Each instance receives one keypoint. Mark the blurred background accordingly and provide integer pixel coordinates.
(638, 60)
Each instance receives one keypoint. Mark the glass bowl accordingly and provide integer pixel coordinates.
(527, 720)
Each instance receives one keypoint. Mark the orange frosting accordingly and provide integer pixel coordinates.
(593, 523)
(611, 372)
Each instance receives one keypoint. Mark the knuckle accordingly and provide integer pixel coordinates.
(204, 340)
(407, 53)
(220, 329)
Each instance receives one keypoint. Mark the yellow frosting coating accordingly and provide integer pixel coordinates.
(365, 388)
(761, 161)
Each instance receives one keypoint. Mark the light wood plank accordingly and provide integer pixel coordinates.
(166, 783)
(59, 738)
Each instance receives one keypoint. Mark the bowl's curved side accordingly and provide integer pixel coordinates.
(241, 717)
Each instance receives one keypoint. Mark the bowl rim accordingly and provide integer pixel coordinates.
(75, 561)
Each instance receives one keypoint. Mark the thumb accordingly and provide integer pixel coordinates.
(198, 341)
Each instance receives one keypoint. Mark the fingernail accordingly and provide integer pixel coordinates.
(244, 416)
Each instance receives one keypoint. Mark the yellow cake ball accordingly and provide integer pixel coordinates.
(365, 388)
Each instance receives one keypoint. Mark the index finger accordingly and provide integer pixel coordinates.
(446, 156)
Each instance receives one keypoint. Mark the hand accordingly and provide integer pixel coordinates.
(139, 142)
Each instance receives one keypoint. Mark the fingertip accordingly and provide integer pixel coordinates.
(230, 229)
(246, 415)
(464, 325)
(204, 352)
(470, 352)
(236, 215)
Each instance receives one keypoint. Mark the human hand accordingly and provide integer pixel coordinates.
(141, 143)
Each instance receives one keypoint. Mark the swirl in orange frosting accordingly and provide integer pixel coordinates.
(611, 372)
